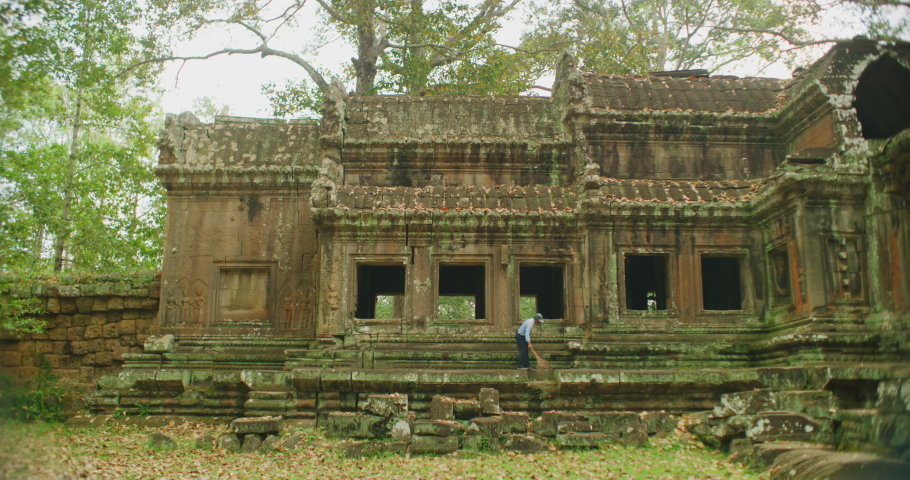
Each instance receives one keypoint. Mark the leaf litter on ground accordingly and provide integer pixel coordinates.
(115, 451)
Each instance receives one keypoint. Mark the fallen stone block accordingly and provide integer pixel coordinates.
(401, 431)
(442, 408)
(547, 425)
(159, 344)
(583, 440)
(658, 422)
(229, 441)
(576, 427)
(814, 464)
(771, 426)
(269, 444)
(431, 444)
(205, 442)
(260, 425)
(160, 441)
(438, 428)
(395, 405)
(489, 401)
(489, 427)
(613, 422)
(745, 403)
(515, 422)
(635, 436)
(479, 443)
(294, 441)
(523, 444)
(251, 443)
(355, 425)
(893, 397)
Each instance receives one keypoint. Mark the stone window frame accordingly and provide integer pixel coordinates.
(537, 260)
(464, 260)
(389, 259)
(219, 267)
(745, 276)
(671, 253)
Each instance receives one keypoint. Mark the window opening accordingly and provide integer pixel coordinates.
(545, 284)
(462, 292)
(646, 282)
(883, 98)
(380, 291)
(721, 283)
(527, 306)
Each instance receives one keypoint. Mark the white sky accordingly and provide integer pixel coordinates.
(237, 80)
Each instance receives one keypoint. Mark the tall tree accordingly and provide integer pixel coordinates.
(76, 188)
(404, 46)
(641, 36)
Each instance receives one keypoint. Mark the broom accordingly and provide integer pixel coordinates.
(542, 363)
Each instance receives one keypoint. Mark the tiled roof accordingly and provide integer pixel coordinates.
(700, 94)
(678, 191)
(524, 199)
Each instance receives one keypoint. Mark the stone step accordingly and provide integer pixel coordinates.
(815, 464)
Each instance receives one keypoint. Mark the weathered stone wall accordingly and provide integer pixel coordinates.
(92, 321)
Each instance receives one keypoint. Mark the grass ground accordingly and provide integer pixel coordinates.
(39, 451)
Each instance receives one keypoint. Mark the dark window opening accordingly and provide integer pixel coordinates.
(466, 283)
(376, 282)
(883, 98)
(721, 283)
(546, 284)
(646, 282)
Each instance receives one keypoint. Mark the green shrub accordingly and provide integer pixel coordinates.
(40, 399)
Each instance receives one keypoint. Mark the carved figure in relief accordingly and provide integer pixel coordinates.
(186, 304)
(199, 305)
(288, 304)
(173, 307)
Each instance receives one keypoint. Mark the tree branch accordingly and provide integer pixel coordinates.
(334, 13)
(783, 36)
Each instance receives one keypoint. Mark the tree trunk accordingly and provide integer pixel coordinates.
(64, 233)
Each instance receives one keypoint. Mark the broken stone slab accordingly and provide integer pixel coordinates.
(814, 403)
(421, 444)
(583, 440)
(576, 427)
(658, 422)
(635, 436)
(523, 444)
(515, 422)
(813, 464)
(205, 442)
(613, 422)
(442, 408)
(893, 397)
(467, 409)
(159, 344)
(355, 425)
(229, 441)
(260, 425)
(251, 443)
(160, 441)
(395, 405)
(745, 403)
(547, 424)
(479, 443)
(401, 431)
(269, 444)
(438, 428)
(489, 427)
(296, 440)
(771, 426)
(489, 401)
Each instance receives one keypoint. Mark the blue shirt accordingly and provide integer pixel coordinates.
(525, 329)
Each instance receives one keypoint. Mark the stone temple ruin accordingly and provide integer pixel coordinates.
(696, 243)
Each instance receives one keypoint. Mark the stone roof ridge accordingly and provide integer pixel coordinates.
(677, 190)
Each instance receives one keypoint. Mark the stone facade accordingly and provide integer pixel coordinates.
(714, 221)
(91, 321)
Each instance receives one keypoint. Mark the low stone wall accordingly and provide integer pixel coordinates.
(92, 320)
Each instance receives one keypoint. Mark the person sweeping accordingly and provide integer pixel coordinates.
(523, 339)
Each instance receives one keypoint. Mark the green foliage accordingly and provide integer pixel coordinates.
(641, 36)
(38, 400)
(16, 312)
(77, 190)
(456, 307)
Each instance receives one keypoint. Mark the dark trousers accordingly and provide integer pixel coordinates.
(523, 361)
